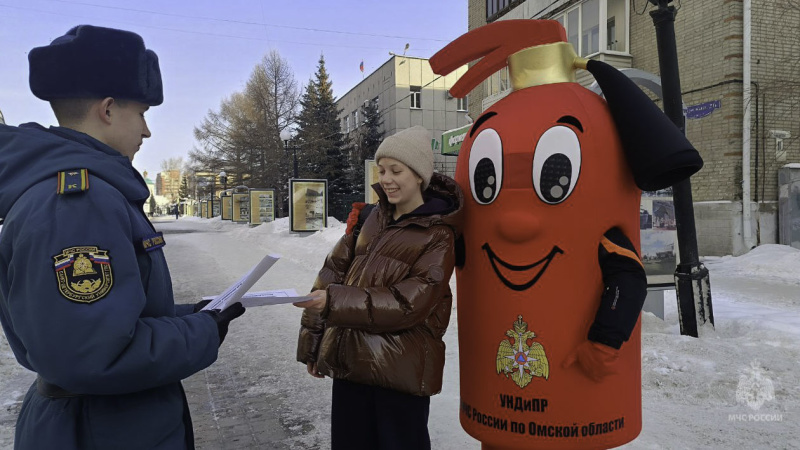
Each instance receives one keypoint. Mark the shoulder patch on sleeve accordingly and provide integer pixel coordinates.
(73, 181)
(83, 273)
(153, 242)
(615, 241)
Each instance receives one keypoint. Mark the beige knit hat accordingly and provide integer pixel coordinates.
(411, 147)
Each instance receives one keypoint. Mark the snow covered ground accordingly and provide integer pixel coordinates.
(735, 387)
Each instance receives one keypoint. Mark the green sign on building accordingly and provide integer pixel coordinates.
(452, 139)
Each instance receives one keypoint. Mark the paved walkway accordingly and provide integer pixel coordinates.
(227, 417)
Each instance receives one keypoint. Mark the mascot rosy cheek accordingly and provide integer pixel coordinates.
(551, 286)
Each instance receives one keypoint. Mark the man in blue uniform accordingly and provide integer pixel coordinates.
(85, 293)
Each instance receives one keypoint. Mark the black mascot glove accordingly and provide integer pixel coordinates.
(223, 318)
(200, 305)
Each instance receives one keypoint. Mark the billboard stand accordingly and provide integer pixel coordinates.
(308, 204)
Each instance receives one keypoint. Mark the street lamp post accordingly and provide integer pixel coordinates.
(691, 277)
(223, 177)
(211, 205)
(286, 137)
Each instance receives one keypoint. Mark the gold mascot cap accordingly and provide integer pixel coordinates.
(536, 52)
(544, 64)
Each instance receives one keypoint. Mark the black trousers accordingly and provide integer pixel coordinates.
(373, 418)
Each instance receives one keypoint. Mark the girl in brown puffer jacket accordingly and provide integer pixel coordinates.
(382, 302)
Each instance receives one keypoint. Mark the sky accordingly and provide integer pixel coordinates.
(207, 49)
(695, 391)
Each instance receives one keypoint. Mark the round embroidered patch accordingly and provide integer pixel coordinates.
(83, 273)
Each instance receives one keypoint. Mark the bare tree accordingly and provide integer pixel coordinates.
(243, 137)
(272, 90)
(172, 164)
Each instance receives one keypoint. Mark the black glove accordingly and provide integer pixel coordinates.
(223, 318)
(200, 305)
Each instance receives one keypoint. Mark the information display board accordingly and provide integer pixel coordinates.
(262, 206)
(659, 237)
(308, 204)
(241, 207)
(370, 178)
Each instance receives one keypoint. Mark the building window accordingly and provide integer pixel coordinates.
(503, 76)
(616, 34)
(416, 97)
(611, 34)
(590, 27)
(494, 8)
(355, 120)
(583, 26)
(462, 104)
(498, 82)
(572, 28)
(347, 124)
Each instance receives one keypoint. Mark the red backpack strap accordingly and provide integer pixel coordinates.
(353, 217)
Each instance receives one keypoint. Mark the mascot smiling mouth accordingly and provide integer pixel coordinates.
(544, 262)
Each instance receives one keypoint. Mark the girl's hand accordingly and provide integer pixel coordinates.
(319, 299)
(312, 370)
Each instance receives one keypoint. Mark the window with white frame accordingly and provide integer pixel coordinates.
(462, 104)
(590, 27)
(616, 25)
(347, 124)
(355, 120)
(416, 97)
(584, 31)
(498, 82)
(573, 28)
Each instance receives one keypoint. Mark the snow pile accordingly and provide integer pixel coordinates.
(779, 263)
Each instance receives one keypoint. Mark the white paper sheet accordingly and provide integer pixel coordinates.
(274, 297)
(240, 287)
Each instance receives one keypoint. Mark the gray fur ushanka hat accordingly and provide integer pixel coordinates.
(96, 62)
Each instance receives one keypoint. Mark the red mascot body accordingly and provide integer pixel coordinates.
(551, 286)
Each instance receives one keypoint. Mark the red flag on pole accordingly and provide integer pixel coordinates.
(361, 67)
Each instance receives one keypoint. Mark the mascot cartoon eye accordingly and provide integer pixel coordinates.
(486, 166)
(556, 164)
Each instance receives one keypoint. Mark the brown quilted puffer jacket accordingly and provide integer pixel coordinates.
(389, 300)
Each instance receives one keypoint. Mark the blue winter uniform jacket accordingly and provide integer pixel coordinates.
(86, 298)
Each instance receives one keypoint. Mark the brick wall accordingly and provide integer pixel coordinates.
(775, 60)
(709, 36)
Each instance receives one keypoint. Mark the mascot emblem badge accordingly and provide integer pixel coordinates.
(83, 273)
(521, 361)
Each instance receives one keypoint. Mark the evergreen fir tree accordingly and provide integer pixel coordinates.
(307, 131)
(183, 190)
(364, 143)
(321, 142)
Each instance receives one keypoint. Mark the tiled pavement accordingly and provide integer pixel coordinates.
(227, 416)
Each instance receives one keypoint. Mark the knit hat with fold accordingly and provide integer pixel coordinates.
(411, 147)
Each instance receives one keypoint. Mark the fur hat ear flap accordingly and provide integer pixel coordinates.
(658, 154)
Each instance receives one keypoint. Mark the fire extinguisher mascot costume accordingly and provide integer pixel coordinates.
(551, 285)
